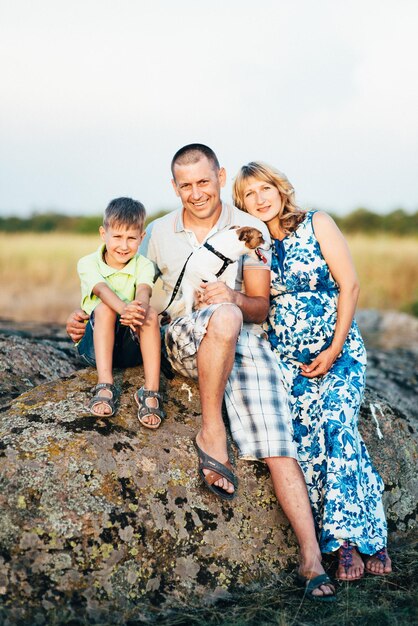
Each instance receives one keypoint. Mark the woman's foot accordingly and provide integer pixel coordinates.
(311, 567)
(350, 563)
(378, 564)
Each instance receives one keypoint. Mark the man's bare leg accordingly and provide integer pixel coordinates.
(215, 359)
(290, 489)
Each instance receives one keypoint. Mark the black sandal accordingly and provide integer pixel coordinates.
(217, 470)
(310, 584)
(96, 399)
(144, 410)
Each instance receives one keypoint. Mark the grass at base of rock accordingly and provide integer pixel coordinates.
(386, 601)
(373, 600)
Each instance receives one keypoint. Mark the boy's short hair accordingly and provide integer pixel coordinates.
(124, 212)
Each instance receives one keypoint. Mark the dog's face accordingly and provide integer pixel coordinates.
(252, 237)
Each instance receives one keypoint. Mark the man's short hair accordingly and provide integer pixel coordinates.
(192, 153)
(124, 212)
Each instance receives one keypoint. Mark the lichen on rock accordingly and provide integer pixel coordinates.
(109, 515)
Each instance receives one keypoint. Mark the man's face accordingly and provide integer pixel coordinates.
(199, 187)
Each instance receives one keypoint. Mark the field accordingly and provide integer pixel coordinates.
(38, 278)
(38, 282)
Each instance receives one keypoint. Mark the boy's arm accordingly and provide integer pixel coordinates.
(143, 294)
(106, 295)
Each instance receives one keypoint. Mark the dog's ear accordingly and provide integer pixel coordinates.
(233, 228)
(244, 233)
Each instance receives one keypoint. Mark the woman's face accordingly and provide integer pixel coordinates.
(262, 199)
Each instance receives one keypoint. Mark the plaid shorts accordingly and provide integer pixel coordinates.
(255, 399)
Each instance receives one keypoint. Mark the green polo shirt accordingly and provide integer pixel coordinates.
(93, 270)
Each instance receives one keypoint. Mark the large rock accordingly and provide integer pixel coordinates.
(388, 329)
(391, 338)
(109, 516)
(27, 361)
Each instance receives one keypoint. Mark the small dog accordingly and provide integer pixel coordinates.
(217, 260)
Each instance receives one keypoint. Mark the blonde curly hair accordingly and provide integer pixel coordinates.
(291, 215)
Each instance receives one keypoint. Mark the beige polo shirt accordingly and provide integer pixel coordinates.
(168, 244)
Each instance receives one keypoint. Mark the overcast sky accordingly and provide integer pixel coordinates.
(97, 95)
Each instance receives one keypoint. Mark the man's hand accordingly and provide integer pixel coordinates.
(214, 293)
(75, 325)
(319, 366)
(134, 314)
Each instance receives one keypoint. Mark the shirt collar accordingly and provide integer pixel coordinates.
(225, 219)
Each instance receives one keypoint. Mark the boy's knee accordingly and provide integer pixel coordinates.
(103, 311)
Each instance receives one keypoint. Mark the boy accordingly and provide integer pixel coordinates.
(116, 285)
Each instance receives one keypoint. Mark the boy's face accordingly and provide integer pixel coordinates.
(122, 243)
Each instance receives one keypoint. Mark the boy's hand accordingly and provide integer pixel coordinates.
(133, 314)
(75, 325)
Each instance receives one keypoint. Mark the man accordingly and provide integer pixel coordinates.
(225, 349)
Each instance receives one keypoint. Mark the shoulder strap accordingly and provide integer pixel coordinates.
(177, 285)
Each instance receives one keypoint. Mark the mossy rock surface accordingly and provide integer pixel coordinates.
(107, 515)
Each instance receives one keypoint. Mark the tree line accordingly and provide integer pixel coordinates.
(361, 220)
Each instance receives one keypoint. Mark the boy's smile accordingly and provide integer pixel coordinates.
(121, 243)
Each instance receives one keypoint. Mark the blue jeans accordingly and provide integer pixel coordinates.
(126, 351)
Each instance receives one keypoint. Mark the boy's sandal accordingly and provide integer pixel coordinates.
(144, 410)
(382, 556)
(310, 584)
(97, 399)
(345, 561)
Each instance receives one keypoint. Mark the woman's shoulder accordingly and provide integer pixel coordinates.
(323, 224)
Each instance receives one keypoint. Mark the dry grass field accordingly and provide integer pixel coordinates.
(38, 278)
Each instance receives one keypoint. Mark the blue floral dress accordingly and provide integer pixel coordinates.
(344, 489)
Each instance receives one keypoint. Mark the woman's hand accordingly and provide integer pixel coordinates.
(76, 325)
(319, 366)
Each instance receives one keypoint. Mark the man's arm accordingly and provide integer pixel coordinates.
(254, 304)
(75, 325)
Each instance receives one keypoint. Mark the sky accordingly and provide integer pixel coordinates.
(97, 96)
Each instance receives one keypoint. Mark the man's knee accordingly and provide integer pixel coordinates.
(225, 322)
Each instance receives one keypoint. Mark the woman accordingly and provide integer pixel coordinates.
(311, 329)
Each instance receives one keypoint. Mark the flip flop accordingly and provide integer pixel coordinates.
(310, 584)
(217, 470)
